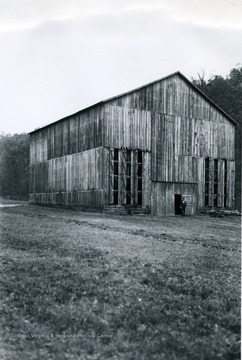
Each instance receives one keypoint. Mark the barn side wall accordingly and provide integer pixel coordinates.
(74, 134)
(71, 180)
(86, 179)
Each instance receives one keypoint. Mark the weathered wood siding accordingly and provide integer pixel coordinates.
(179, 142)
(183, 141)
(171, 96)
(163, 197)
(159, 97)
(173, 125)
(75, 179)
(185, 129)
(126, 128)
(85, 179)
(74, 134)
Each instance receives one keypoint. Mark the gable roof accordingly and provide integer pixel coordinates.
(177, 73)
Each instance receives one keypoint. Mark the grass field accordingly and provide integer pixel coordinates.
(89, 286)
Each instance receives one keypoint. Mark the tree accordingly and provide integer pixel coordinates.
(227, 94)
(14, 166)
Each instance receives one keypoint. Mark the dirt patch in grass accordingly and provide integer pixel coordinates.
(87, 286)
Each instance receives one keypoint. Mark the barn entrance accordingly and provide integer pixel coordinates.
(178, 198)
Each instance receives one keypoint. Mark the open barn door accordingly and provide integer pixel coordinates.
(178, 198)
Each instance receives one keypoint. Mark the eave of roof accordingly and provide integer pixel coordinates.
(178, 73)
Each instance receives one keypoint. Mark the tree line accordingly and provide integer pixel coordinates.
(14, 166)
(226, 92)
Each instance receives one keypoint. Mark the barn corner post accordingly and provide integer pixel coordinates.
(141, 150)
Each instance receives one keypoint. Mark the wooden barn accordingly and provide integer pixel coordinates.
(142, 150)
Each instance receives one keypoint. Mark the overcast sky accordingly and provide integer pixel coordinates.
(59, 56)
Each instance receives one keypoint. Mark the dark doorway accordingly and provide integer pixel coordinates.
(177, 204)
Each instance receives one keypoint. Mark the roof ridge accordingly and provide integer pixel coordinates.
(138, 88)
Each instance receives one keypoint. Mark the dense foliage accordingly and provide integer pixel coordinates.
(14, 166)
(227, 94)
